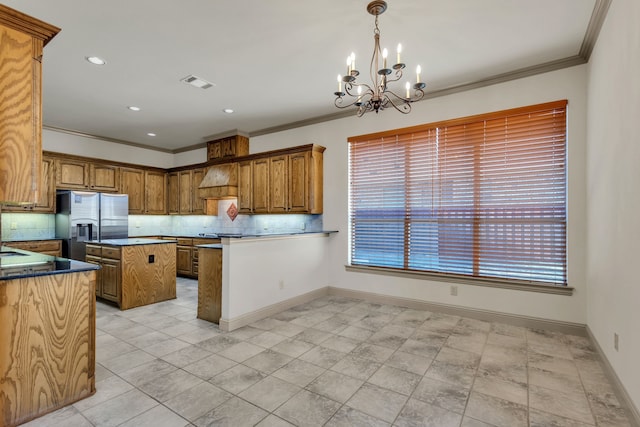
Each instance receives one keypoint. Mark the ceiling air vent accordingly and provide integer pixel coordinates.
(197, 82)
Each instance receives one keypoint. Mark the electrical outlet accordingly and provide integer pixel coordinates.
(615, 341)
(454, 291)
(281, 284)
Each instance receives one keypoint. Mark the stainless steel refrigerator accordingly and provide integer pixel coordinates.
(83, 216)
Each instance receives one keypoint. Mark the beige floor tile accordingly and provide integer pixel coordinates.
(308, 409)
(378, 402)
(495, 411)
(269, 393)
(335, 386)
(420, 414)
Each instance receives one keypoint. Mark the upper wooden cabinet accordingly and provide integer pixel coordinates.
(183, 192)
(229, 147)
(132, 183)
(47, 194)
(73, 174)
(287, 181)
(155, 192)
(22, 39)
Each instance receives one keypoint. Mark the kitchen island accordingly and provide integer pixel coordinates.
(135, 271)
(47, 338)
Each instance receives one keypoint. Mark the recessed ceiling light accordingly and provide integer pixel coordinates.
(228, 110)
(151, 134)
(132, 108)
(95, 60)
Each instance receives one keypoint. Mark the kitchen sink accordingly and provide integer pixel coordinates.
(10, 253)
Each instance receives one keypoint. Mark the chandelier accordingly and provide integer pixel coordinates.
(377, 95)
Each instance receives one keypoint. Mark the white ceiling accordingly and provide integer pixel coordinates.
(274, 62)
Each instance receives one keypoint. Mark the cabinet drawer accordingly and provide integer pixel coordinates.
(92, 258)
(205, 241)
(184, 242)
(94, 250)
(110, 252)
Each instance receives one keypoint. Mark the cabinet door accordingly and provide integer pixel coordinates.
(173, 192)
(72, 174)
(184, 192)
(96, 260)
(260, 190)
(245, 186)
(299, 182)
(20, 113)
(46, 194)
(103, 177)
(183, 260)
(197, 203)
(111, 279)
(278, 188)
(132, 183)
(155, 192)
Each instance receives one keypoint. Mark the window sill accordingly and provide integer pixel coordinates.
(491, 283)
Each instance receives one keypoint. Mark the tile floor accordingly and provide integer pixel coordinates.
(336, 362)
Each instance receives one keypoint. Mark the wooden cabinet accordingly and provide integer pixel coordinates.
(132, 183)
(210, 285)
(47, 344)
(278, 184)
(245, 186)
(46, 195)
(185, 192)
(173, 192)
(260, 186)
(184, 257)
(108, 284)
(155, 192)
(184, 197)
(47, 247)
(284, 182)
(197, 202)
(135, 275)
(229, 147)
(21, 50)
(73, 174)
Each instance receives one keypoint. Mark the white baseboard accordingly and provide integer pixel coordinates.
(621, 392)
(486, 315)
(253, 316)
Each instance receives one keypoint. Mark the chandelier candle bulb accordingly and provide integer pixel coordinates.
(408, 86)
(385, 53)
(399, 51)
(339, 83)
(353, 61)
(418, 71)
(348, 65)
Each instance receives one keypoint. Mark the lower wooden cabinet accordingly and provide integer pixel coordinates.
(184, 260)
(109, 278)
(210, 285)
(136, 274)
(47, 247)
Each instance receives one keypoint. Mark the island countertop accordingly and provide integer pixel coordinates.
(132, 241)
(18, 263)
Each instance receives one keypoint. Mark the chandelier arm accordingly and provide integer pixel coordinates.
(349, 87)
(404, 107)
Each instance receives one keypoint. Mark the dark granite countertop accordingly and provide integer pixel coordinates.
(130, 241)
(17, 263)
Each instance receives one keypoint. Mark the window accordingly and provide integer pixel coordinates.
(480, 197)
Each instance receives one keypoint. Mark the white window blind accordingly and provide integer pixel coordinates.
(483, 196)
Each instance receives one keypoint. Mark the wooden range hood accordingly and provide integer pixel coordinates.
(220, 182)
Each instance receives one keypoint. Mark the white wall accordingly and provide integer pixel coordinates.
(564, 84)
(613, 201)
(256, 267)
(62, 142)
